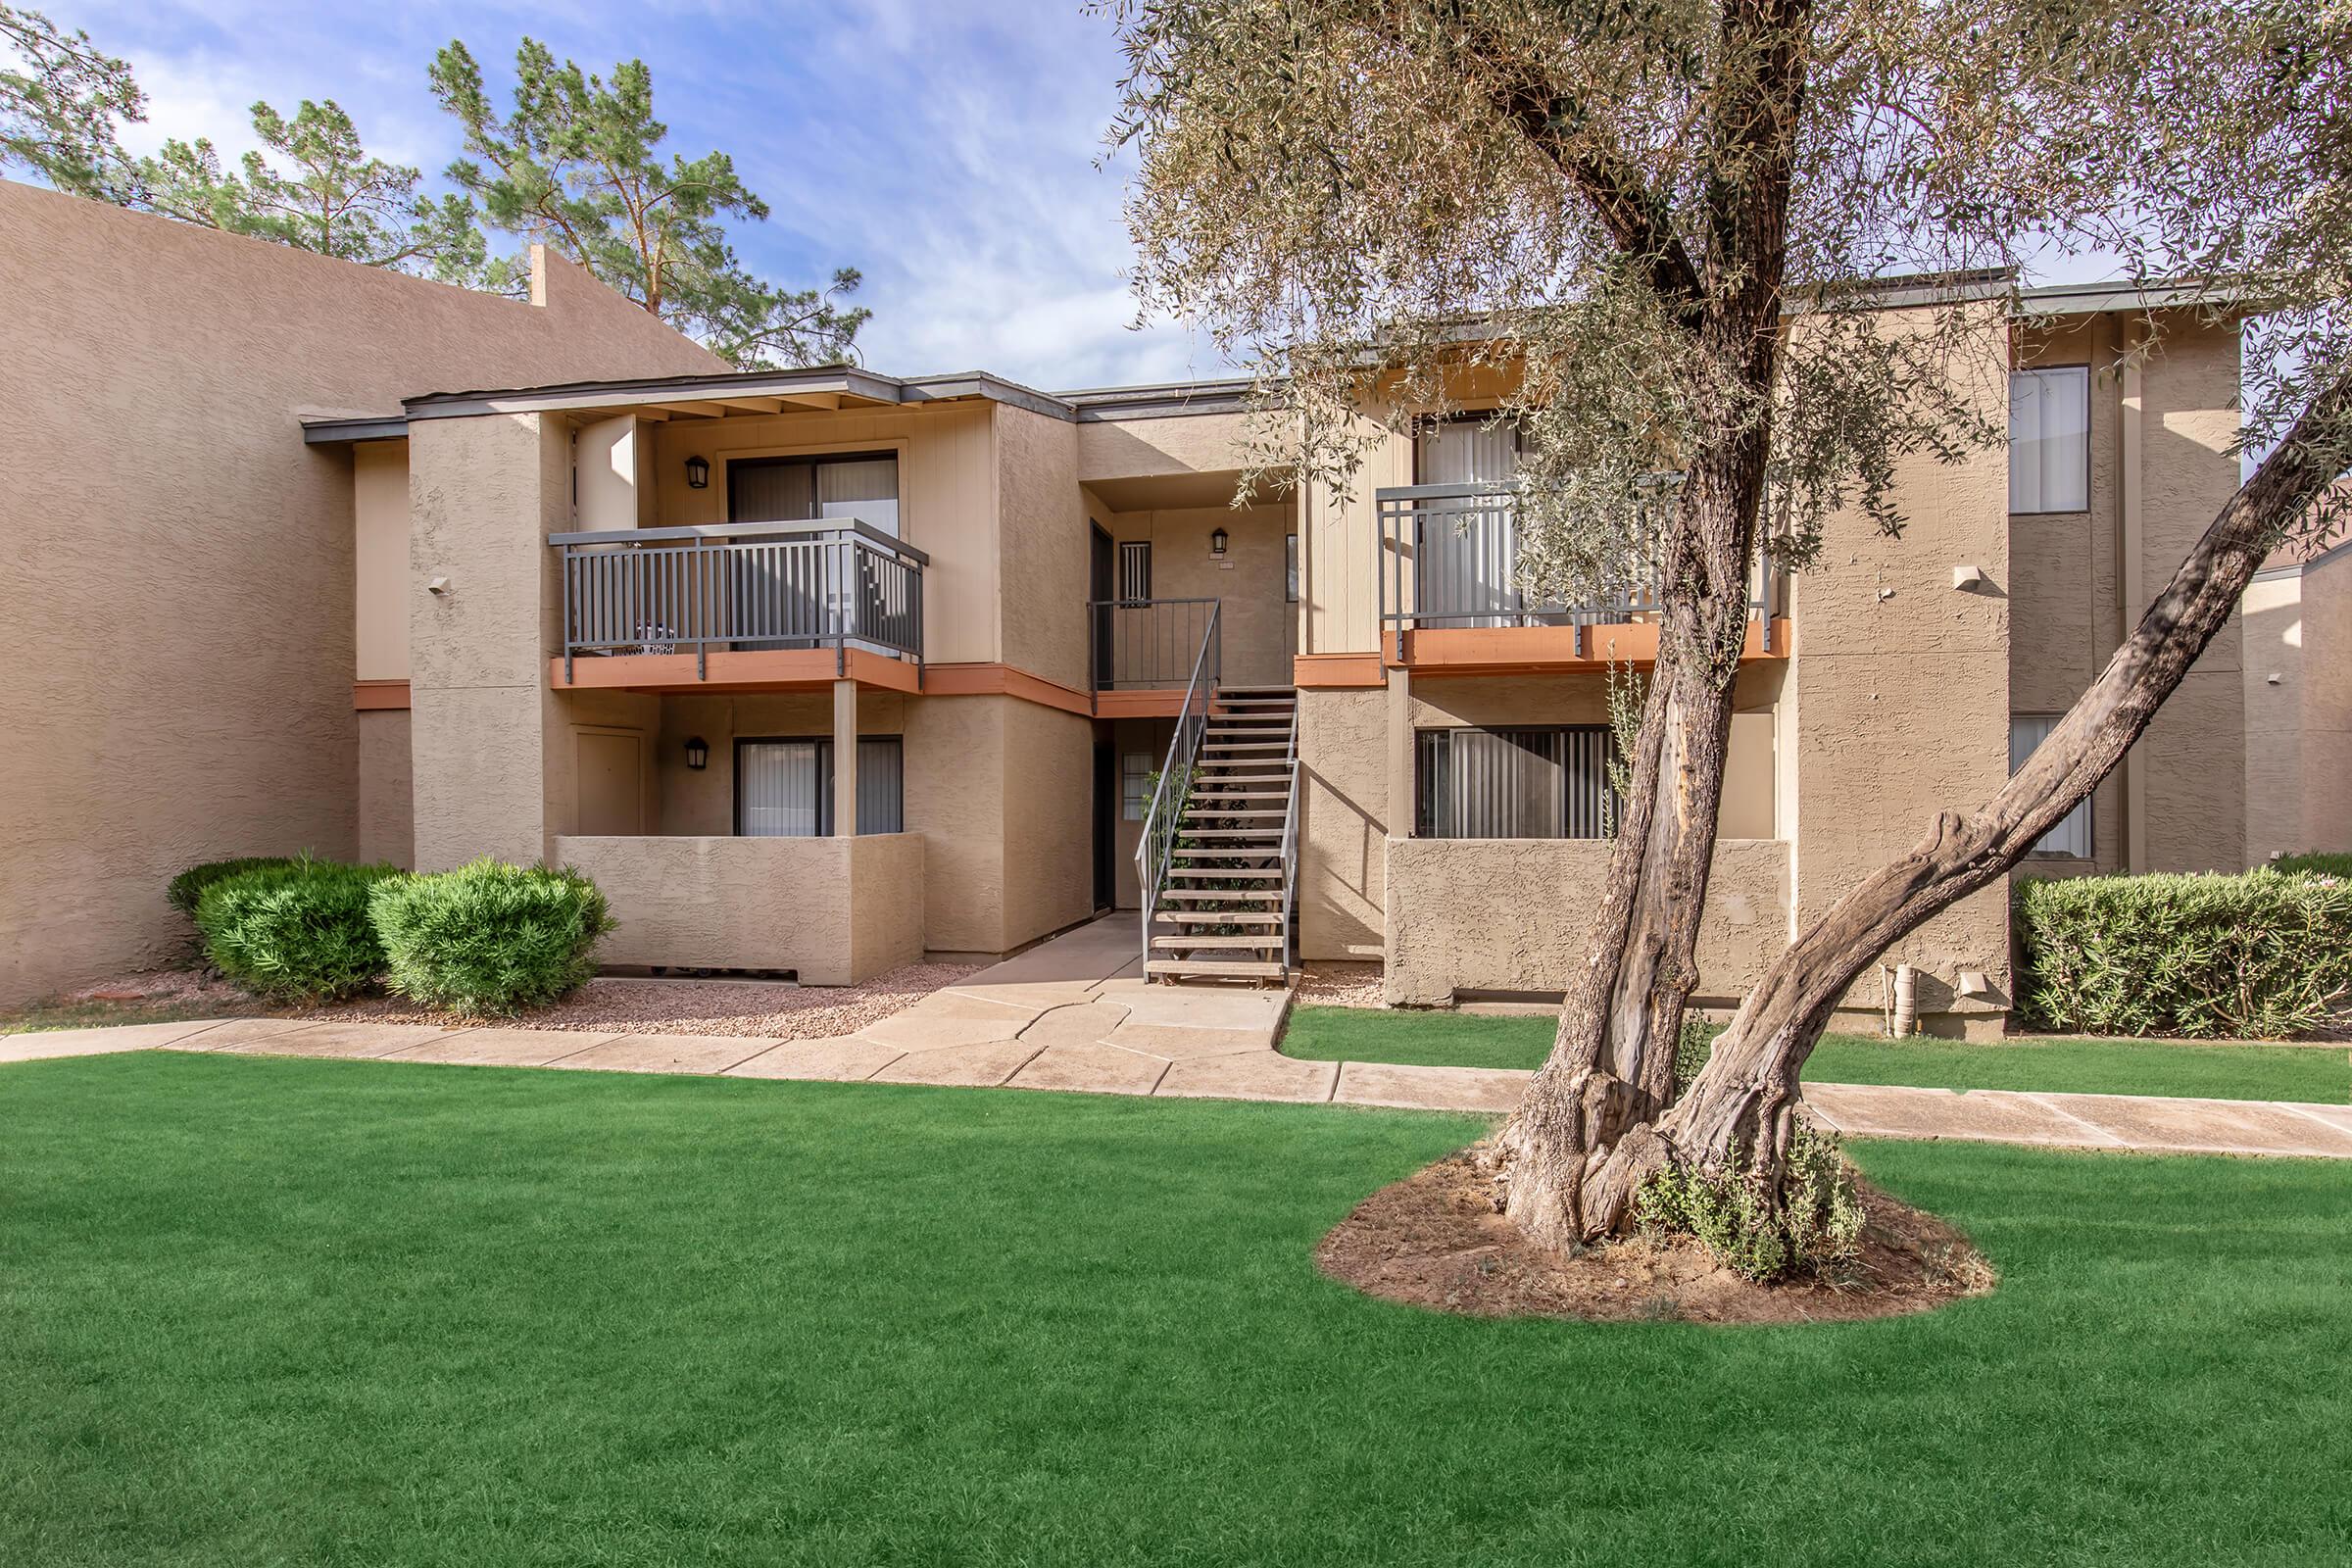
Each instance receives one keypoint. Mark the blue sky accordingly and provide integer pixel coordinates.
(946, 148)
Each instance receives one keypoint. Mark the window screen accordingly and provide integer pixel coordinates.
(784, 788)
(1514, 783)
(1289, 568)
(2072, 835)
(2049, 440)
(1135, 570)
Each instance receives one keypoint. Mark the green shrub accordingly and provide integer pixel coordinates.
(2335, 865)
(2262, 955)
(490, 938)
(1816, 1229)
(186, 890)
(297, 930)
(1691, 1047)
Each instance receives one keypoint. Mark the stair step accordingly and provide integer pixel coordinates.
(1229, 782)
(1213, 874)
(1224, 796)
(1231, 917)
(1237, 835)
(1246, 745)
(1221, 896)
(1228, 970)
(1205, 813)
(1201, 943)
(1287, 693)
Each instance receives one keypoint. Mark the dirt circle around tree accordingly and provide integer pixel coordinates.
(1435, 1240)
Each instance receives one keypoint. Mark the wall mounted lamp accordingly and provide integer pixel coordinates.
(698, 753)
(698, 474)
(1216, 543)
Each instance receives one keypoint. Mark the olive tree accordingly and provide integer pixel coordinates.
(1665, 222)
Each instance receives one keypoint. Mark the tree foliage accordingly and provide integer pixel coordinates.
(578, 162)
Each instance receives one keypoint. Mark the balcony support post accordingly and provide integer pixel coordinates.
(845, 759)
(1403, 815)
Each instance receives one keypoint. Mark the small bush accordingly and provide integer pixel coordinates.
(298, 930)
(186, 890)
(1816, 1229)
(2338, 867)
(2265, 954)
(490, 938)
(1691, 1047)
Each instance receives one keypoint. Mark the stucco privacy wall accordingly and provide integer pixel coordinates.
(181, 565)
(2298, 698)
(387, 788)
(837, 910)
(1043, 527)
(1514, 916)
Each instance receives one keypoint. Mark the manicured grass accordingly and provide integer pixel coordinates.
(35, 1017)
(283, 1311)
(2072, 1066)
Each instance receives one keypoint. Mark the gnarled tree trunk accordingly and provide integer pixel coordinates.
(1738, 1115)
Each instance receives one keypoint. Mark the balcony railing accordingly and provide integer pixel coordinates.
(1450, 557)
(1151, 644)
(837, 583)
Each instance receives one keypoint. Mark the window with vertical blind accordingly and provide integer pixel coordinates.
(1135, 785)
(784, 787)
(1550, 783)
(2072, 835)
(2049, 439)
(1135, 570)
(863, 485)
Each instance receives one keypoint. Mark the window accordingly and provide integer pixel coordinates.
(2049, 440)
(849, 484)
(1135, 570)
(1289, 568)
(2072, 835)
(1514, 783)
(784, 788)
(1135, 785)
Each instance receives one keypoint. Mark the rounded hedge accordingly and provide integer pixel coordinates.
(186, 890)
(2262, 955)
(299, 930)
(489, 938)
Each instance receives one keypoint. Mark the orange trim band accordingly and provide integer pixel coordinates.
(1337, 670)
(1532, 649)
(808, 669)
(371, 696)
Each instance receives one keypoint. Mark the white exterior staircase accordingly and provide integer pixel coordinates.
(1225, 898)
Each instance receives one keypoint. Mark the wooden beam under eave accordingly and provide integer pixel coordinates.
(697, 411)
(751, 405)
(812, 399)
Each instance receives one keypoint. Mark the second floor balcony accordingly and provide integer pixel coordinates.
(827, 591)
(1449, 583)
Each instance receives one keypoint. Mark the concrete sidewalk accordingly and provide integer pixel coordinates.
(1104, 1039)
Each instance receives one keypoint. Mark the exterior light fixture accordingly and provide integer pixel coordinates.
(698, 753)
(698, 474)
(1216, 543)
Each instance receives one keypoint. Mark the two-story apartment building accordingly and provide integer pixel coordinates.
(823, 670)
(818, 671)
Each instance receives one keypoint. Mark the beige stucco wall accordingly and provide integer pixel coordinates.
(1048, 818)
(836, 910)
(2327, 705)
(380, 565)
(1344, 822)
(947, 497)
(1044, 530)
(2160, 430)
(388, 795)
(1513, 916)
(1256, 627)
(184, 600)
(1162, 445)
(2297, 692)
(1901, 688)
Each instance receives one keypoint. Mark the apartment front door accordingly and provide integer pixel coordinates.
(1098, 581)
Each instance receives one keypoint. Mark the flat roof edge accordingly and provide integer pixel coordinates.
(341, 429)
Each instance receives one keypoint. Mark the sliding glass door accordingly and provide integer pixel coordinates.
(784, 787)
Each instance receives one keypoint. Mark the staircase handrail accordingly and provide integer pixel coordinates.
(1164, 817)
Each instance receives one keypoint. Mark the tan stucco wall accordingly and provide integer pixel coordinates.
(1514, 916)
(702, 802)
(1048, 818)
(947, 497)
(837, 910)
(387, 790)
(1344, 822)
(1044, 530)
(1901, 688)
(2297, 692)
(380, 565)
(185, 607)
(2327, 705)
(2160, 430)
(1256, 627)
(1156, 448)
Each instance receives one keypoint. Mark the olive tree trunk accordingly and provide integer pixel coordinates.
(1740, 1113)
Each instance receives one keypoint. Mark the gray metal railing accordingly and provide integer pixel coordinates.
(1165, 818)
(1289, 854)
(1450, 557)
(837, 583)
(1148, 643)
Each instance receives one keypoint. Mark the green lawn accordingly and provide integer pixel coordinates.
(2073, 1066)
(275, 1311)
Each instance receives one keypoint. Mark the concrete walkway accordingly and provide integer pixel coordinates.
(1075, 1013)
